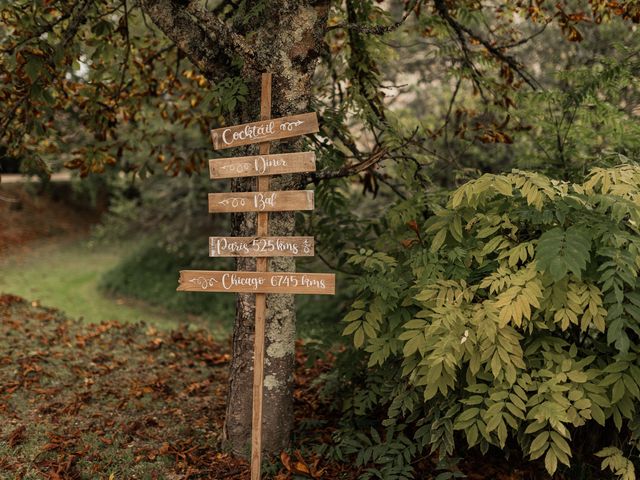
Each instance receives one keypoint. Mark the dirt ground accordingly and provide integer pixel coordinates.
(27, 218)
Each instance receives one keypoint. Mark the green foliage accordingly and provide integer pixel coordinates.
(587, 122)
(149, 274)
(512, 319)
(226, 95)
(615, 461)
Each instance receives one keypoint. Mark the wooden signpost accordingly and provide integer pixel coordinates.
(257, 165)
(262, 246)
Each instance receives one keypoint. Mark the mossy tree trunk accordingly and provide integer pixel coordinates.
(286, 40)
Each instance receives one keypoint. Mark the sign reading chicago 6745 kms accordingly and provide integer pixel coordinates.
(256, 282)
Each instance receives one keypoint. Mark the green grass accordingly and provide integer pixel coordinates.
(150, 273)
(67, 275)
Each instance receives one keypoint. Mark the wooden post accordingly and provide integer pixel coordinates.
(261, 299)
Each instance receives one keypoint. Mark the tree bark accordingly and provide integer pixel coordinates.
(286, 40)
(289, 46)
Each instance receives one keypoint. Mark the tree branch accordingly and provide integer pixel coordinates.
(125, 62)
(379, 153)
(348, 170)
(224, 35)
(373, 29)
(204, 51)
(77, 19)
(526, 39)
(443, 11)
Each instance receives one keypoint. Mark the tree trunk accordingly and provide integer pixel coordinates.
(288, 44)
(286, 39)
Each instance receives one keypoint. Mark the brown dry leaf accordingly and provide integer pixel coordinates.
(11, 387)
(286, 460)
(17, 436)
(46, 391)
(215, 359)
(407, 243)
(301, 468)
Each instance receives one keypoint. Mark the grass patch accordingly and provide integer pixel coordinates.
(67, 274)
(150, 274)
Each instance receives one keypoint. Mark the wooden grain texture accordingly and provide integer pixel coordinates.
(266, 201)
(264, 131)
(261, 247)
(261, 302)
(257, 165)
(256, 282)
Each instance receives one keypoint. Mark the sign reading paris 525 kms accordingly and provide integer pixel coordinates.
(261, 246)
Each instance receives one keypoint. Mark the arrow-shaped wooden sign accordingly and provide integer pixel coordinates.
(257, 165)
(256, 282)
(261, 247)
(264, 131)
(277, 201)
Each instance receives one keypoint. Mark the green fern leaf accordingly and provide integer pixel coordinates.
(561, 251)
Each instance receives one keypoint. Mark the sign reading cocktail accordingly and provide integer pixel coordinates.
(264, 131)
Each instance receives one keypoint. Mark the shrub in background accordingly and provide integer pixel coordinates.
(510, 318)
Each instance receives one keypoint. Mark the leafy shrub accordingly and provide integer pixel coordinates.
(150, 273)
(510, 318)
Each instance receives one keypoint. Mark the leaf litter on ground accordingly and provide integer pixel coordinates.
(114, 401)
(109, 400)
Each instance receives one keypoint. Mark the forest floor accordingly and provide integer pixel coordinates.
(100, 399)
(85, 396)
(120, 401)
